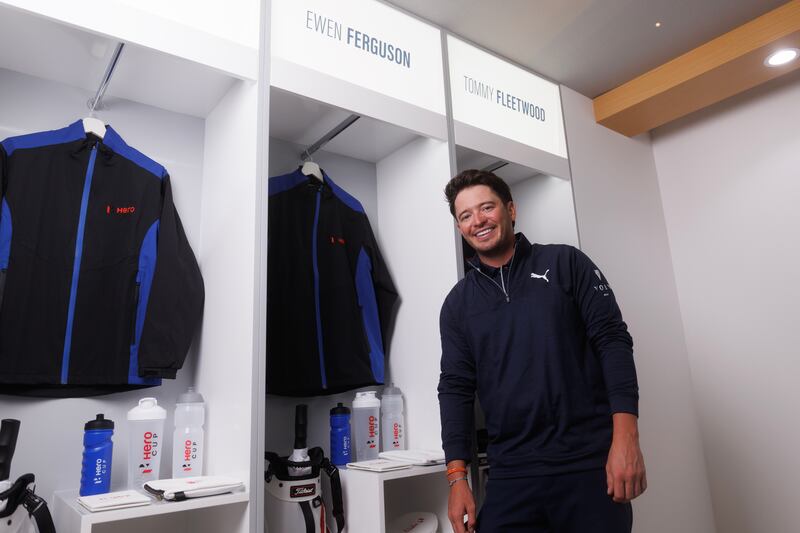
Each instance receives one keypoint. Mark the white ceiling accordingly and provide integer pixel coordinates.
(77, 58)
(590, 46)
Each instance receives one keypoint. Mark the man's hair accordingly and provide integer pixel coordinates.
(472, 177)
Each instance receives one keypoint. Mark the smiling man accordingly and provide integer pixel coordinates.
(535, 331)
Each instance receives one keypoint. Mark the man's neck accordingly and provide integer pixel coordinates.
(499, 259)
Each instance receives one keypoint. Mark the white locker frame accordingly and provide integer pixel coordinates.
(213, 158)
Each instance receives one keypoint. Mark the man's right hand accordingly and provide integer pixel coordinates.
(459, 504)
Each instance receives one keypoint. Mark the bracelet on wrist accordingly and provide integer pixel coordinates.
(453, 481)
(456, 469)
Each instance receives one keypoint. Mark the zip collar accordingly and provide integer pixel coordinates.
(521, 247)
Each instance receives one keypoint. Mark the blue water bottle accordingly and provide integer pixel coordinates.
(97, 449)
(340, 435)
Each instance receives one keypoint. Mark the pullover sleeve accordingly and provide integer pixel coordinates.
(457, 382)
(607, 333)
(175, 299)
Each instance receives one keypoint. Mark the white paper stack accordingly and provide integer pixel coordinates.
(113, 500)
(415, 456)
(378, 465)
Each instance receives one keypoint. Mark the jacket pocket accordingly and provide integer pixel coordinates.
(2, 285)
(135, 312)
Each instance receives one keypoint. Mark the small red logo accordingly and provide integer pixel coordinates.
(128, 210)
(337, 240)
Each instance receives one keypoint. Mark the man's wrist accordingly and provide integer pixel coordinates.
(625, 425)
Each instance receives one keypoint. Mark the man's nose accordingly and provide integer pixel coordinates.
(480, 218)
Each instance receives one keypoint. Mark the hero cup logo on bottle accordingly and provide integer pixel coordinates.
(396, 435)
(189, 454)
(99, 471)
(372, 425)
(149, 451)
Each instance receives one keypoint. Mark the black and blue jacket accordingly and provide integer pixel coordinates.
(543, 344)
(99, 289)
(330, 298)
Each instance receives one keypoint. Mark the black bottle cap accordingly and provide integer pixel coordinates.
(340, 409)
(99, 423)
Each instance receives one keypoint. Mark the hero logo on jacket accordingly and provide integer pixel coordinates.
(329, 294)
(99, 288)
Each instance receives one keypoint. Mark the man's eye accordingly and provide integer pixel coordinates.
(464, 217)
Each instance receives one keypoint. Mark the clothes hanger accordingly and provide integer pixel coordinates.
(310, 168)
(94, 126)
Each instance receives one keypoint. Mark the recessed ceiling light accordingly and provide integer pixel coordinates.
(658, 24)
(781, 57)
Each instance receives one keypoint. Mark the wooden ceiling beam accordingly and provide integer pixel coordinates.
(723, 67)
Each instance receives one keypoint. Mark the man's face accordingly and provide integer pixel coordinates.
(484, 221)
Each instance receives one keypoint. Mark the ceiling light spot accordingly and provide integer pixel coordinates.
(781, 57)
(658, 24)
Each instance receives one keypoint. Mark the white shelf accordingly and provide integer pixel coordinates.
(71, 517)
(394, 474)
(364, 494)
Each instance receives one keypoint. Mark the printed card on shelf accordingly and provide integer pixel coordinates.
(114, 500)
(378, 465)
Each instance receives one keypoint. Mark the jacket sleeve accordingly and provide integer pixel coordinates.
(607, 333)
(457, 382)
(381, 281)
(175, 304)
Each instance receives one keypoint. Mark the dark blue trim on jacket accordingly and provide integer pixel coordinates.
(116, 143)
(5, 234)
(147, 268)
(73, 132)
(314, 260)
(76, 266)
(344, 196)
(279, 184)
(369, 313)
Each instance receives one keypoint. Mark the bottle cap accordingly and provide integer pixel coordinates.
(148, 409)
(391, 390)
(99, 423)
(190, 396)
(340, 409)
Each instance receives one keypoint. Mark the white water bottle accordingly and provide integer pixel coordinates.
(366, 425)
(188, 439)
(145, 426)
(392, 420)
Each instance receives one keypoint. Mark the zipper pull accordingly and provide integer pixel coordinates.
(508, 298)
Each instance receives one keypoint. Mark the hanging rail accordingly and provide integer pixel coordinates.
(96, 102)
(328, 137)
(497, 165)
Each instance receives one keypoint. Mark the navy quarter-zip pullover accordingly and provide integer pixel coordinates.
(542, 342)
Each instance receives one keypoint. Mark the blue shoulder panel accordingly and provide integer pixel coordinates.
(279, 184)
(5, 235)
(147, 268)
(115, 142)
(369, 314)
(342, 195)
(73, 132)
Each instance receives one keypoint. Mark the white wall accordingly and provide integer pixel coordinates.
(545, 210)
(622, 228)
(729, 182)
(417, 228)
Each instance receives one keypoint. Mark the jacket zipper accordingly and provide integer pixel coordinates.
(76, 265)
(320, 347)
(502, 287)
